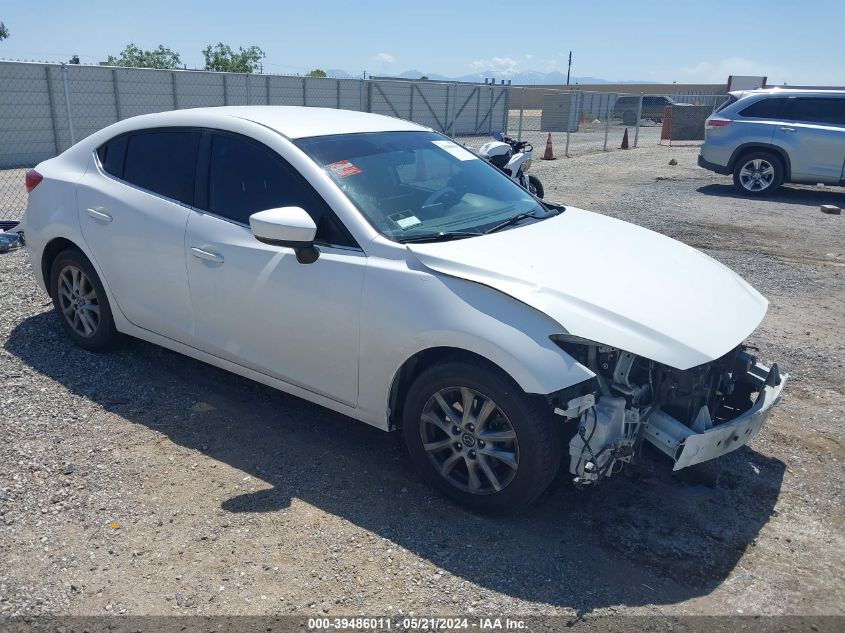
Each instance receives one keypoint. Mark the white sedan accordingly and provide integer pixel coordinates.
(380, 269)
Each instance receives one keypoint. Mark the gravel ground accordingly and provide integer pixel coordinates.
(143, 482)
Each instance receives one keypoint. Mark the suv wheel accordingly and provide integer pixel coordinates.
(80, 301)
(475, 436)
(758, 173)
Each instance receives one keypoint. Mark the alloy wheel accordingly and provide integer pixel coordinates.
(78, 301)
(469, 440)
(757, 174)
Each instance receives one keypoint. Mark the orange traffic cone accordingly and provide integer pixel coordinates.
(624, 140)
(549, 153)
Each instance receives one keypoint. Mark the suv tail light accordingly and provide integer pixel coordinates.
(718, 122)
(32, 180)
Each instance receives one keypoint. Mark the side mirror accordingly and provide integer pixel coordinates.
(287, 226)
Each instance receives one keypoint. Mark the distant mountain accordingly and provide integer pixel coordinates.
(524, 78)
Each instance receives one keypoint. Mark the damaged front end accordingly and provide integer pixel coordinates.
(691, 415)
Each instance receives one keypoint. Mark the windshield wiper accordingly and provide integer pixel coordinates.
(446, 236)
(511, 221)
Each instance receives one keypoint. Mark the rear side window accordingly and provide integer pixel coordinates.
(246, 177)
(816, 110)
(765, 109)
(163, 161)
(112, 155)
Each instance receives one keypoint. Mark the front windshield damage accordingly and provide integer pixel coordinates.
(421, 186)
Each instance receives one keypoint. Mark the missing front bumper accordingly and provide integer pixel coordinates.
(688, 447)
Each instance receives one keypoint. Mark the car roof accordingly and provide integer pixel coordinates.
(290, 121)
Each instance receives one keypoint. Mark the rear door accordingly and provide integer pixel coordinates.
(133, 208)
(812, 132)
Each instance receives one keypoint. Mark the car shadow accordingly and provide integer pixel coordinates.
(635, 540)
(783, 194)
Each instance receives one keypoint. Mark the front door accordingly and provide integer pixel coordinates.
(255, 304)
(813, 134)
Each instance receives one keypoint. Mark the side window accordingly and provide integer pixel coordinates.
(112, 154)
(816, 110)
(246, 177)
(765, 109)
(163, 161)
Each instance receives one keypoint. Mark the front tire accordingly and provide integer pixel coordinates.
(476, 437)
(80, 301)
(535, 186)
(758, 173)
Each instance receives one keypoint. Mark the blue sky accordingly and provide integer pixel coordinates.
(798, 43)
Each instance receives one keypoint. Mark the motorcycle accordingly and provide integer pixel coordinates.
(513, 158)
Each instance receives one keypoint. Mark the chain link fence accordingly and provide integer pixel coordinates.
(583, 122)
(46, 108)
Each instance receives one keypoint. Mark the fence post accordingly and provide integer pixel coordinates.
(411, 106)
(267, 88)
(454, 108)
(225, 90)
(52, 110)
(446, 110)
(338, 94)
(639, 116)
(369, 95)
(67, 105)
(490, 117)
(248, 92)
(175, 92)
(305, 91)
(606, 123)
(521, 110)
(116, 88)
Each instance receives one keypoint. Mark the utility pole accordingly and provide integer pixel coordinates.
(569, 68)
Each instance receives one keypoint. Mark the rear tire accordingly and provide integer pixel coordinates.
(535, 186)
(497, 457)
(80, 301)
(758, 173)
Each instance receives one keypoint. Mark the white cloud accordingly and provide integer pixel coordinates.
(718, 71)
(501, 65)
(550, 65)
(384, 58)
(528, 55)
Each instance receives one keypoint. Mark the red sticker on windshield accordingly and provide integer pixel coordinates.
(344, 168)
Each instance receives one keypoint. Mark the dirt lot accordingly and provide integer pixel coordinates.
(143, 482)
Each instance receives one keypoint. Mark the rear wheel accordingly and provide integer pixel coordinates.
(758, 173)
(80, 301)
(475, 436)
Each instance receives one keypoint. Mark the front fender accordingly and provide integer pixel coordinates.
(410, 311)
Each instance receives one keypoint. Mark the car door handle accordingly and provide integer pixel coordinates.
(787, 129)
(100, 215)
(206, 255)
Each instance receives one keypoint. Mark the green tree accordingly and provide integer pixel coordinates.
(424, 78)
(316, 73)
(4, 32)
(136, 57)
(223, 58)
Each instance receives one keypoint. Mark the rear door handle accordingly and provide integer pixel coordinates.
(208, 256)
(100, 215)
(787, 129)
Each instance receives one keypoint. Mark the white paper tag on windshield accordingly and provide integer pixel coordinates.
(455, 150)
(406, 223)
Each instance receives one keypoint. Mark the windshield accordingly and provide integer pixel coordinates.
(412, 186)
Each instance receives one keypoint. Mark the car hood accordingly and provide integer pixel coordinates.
(611, 282)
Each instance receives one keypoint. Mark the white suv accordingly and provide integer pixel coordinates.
(768, 137)
(377, 268)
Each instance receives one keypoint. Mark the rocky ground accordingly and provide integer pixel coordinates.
(143, 482)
